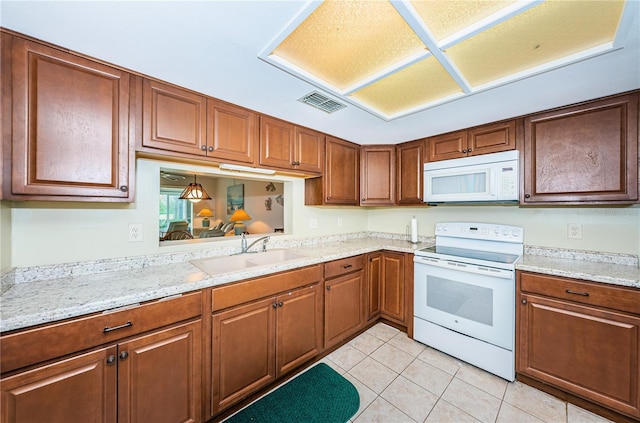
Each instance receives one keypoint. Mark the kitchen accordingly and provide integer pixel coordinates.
(99, 231)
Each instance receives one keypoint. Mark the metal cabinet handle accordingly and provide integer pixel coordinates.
(584, 294)
(280, 304)
(347, 266)
(328, 288)
(464, 150)
(524, 301)
(108, 329)
(527, 196)
(124, 355)
(203, 148)
(124, 188)
(274, 305)
(211, 148)
(468, 150)
(111, 359)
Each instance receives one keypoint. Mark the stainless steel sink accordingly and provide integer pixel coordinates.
(219, 265)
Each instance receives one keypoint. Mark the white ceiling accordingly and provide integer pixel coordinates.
(213, 46)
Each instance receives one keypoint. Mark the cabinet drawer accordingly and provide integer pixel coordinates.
(33, 346)
(242, 292)
(593, 293)
(343, 266)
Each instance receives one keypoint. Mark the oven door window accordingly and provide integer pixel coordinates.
(479, 306)
(471, 302)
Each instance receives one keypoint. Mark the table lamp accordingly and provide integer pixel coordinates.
(239, 216)
(205, 214)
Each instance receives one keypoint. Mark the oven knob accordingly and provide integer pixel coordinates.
(505, 232)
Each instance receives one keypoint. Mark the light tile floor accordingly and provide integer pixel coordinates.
(400, 380)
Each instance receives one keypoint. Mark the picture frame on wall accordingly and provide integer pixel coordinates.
(235, 198)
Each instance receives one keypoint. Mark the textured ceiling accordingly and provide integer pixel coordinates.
(395, 58)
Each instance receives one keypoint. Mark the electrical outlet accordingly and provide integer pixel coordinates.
(135, 232)
(313, 223)
(339, 222)
(574, 231)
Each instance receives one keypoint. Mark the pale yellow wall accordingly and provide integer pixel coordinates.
(613, 230)
(5, 236)
(38, 233)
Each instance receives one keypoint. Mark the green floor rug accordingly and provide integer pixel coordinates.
(318, 395)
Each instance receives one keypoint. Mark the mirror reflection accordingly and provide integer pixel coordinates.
(214, 206)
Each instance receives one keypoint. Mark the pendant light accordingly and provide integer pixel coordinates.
(194, 192)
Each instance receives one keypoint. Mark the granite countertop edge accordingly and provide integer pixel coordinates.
(30, 304)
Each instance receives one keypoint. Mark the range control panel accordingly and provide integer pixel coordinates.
(482, 231)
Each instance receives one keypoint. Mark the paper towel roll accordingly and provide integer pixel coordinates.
(414, 230)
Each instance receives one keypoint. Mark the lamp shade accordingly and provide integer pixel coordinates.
(205, 213)
(194, 192)
(239, 216)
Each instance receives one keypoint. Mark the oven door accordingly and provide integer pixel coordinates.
(474, 300)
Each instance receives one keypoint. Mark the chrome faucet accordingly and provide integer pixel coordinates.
(245, 249)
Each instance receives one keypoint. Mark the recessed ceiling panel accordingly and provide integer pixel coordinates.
(343, 42)
(547, 32)
(446, 17)
(424, 82)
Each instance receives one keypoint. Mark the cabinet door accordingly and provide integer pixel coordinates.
(492, 138)
(343, 307)
(243, 355)
(583, 153)
(276, 143)
(174, 119)
(378, 175)
(159, 376)
(232, 132)
(309, 148)
(410, 172)
(299, 327)
(79, 389)
(70, 126)
(587, 351)
(342, 172)
(392, 298)
(374, 282)
(452, 145)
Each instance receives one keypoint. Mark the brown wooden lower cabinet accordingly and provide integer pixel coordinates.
(343, 307)
(572, 336)
(156, 378)
(386, 287)
(255, 343)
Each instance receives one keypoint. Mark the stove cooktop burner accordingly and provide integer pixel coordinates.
(472, 254)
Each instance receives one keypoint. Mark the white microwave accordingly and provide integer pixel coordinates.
(484, 178)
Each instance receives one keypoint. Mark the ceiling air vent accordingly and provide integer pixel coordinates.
(321, 102)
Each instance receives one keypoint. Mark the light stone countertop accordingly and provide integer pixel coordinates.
(596, 271)
(31, 303)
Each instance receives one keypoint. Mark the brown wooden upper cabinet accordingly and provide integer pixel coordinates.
(491, 138)
(286, 146)
(179, 120)
(232, 132)
(378, 175)
(174, 119)
(340, 183)
(583, 153)
(70, 129)
(410, 158)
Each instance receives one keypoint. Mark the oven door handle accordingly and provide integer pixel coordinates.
(464, 267)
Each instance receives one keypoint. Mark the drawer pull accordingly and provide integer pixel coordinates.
(584, 294)
(108, 329)
(346, 266)
(111, 359)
